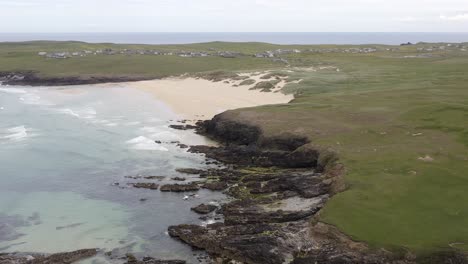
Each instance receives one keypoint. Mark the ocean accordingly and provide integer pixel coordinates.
(275, 38)
(65, 157)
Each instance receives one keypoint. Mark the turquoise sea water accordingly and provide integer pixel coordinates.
(62, 152)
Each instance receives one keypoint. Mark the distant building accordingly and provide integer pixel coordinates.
(58, 55)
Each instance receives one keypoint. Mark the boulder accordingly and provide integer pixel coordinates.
(204, 208)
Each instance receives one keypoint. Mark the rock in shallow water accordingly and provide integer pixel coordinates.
(204, 208)
(189, 171)
(62, 258)
(178, 179)
(150, 186)
(180, 187)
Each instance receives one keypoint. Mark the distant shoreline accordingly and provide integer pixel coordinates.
(28, 78)
(284, 38)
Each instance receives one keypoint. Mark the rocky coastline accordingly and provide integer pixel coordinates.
(279, 185)
(31, 78)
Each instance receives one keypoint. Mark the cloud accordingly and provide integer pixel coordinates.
(460, 16)
(408, 19)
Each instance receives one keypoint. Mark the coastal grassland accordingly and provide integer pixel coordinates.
(23, 56)
(400, 126)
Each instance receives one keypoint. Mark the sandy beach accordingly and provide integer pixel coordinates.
(195, 98)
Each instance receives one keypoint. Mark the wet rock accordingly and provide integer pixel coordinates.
(159, 178)
(242, 212)
(131, 259)
(183, 127)
(69, 226)
(180, 187)
(189, 171)
(215, 186)
(244, 243)
(204, 208)
(178, 179)
(254, 156)
(65, 258)
(183, 146)
(150, 186)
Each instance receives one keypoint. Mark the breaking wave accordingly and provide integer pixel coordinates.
(144, 143)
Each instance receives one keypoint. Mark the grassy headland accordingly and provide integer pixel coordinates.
(397, 116)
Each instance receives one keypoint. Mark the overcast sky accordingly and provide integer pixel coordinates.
(233, 15)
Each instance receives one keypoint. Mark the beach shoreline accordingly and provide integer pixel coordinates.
(200, 99)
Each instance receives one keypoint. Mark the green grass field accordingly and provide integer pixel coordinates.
(381, 112)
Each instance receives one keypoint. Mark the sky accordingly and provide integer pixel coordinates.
(18, 16)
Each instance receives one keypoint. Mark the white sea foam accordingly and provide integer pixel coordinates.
(147, 129)
(153, 120)
(112, 124)
(144, 143)
(85, 113)
(33, 99)
(101, 121)
(208, 222)
(18, 133)
(68, 112)
(28, 96)
(132, 123)
(13, 90)
(166, 136)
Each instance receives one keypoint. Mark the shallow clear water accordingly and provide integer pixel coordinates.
(61, 152)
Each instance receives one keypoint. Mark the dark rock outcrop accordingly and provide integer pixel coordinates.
(204, 208)
(215, 186)
(252, 155)
(180, 187)
(183, 127)
(229, 131)
(131, 259)
(253, 243)
(189, 171)
(142, 185)
(65, 258)
(178, 179)
(31, 78)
